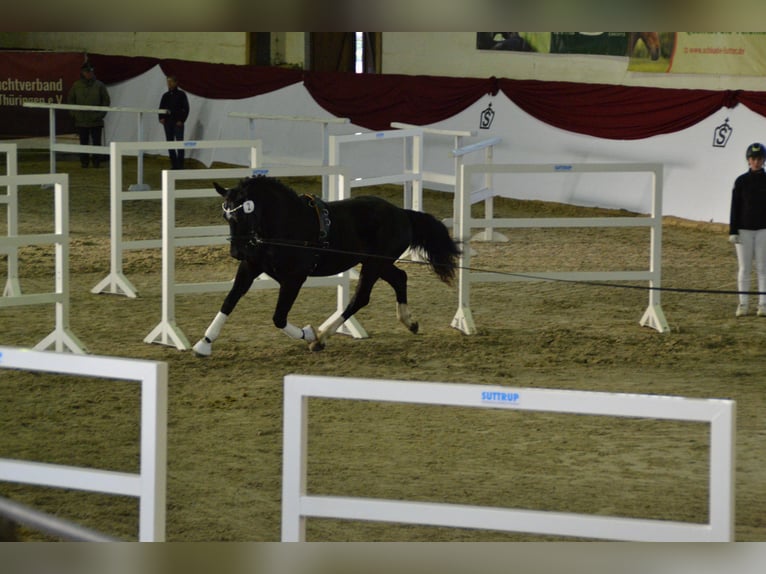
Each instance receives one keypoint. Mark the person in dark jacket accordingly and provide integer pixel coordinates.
(747, 228)
(88, 91)
(177, 104)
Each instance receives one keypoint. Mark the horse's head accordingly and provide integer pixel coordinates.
(239, 210)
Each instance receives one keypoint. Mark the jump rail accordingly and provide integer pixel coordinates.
(324, 123)
(149, 485)
(653, 316)
(10, 199)
(77, 148)
(116, 282)
(297, 504)
(167, 331)
(412, 166)
(61, 338)
(459, 152)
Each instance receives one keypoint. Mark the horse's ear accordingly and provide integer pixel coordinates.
(221, 190)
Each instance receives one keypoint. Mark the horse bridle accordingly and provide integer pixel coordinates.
(253, 239)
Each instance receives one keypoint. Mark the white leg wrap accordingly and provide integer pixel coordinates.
(215, 327)
(204, 346)
(307, 333)
(292, 331)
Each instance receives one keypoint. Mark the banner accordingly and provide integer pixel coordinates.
(35, 77)
(729, 53)
(601, 43)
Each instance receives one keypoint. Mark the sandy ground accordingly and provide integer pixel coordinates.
(225, 411)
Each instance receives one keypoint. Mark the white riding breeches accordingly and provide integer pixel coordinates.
(752, 245)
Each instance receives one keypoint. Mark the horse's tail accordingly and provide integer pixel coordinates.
(432, 237)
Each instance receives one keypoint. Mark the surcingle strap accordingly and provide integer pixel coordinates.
(323, 216)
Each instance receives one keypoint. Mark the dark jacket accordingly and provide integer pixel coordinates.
(177, 103)
(748, 202)
(91, 92)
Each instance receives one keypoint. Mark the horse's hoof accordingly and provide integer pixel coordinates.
(316, 346)
(414, 328)
(202, 348)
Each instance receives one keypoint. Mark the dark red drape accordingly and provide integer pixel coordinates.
(615, 112)
(374, 101)
(229, 81)
(114, 69)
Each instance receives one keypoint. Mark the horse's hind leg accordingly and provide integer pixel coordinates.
(398, 280)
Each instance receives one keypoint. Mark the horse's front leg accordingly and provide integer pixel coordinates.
(288, 293)
(246, 274)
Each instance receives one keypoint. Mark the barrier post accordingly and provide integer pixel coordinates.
(61, 338)
(459, 152)
(116, 282)
(11, 199)
(323, 122)
(150, 484)
(297, 504)
(102, 149)
(653, 317)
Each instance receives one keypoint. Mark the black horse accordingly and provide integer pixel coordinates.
(291, 237)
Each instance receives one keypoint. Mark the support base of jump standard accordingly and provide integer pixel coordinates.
(654, 317)
(117, 284)
(168, 333)
(463, 321)
(351, 327)
(61, 339)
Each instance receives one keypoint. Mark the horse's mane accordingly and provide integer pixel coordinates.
(264, 182)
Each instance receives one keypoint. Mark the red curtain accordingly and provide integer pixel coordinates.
(616, 112)
(374, 101)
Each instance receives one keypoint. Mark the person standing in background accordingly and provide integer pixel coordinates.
(176, 103)
(88, 91)
(747, 228)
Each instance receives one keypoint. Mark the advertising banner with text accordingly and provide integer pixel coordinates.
(727, 53)
(43, 77)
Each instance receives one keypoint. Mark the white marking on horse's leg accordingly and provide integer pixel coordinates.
(292, 331)
(205, 345)
(404, 315)
(307, 333)
(331, 329)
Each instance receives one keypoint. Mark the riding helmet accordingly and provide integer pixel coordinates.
(754, 150)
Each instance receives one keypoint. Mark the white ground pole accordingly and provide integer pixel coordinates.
(11, 200)
(298, 504)
(102, 149)
(448, 181)
(61, 338)
(323, 123)
(167, 331)
(116, 282)
(149, 485)
(653, 317)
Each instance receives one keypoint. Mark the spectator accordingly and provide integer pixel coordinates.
(177, 104)
(88, 91)
(747, 228)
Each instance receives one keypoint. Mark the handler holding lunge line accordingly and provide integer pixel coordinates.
(747, 228)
